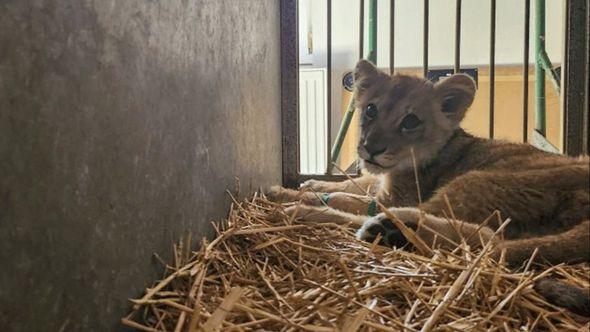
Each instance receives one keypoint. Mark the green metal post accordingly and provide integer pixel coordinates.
(341, 135)
(347, 119)
(548, 67)
(372, 32)
(539, 71)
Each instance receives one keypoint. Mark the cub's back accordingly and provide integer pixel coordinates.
(502, 156)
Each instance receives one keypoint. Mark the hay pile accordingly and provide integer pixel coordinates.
(266, 272)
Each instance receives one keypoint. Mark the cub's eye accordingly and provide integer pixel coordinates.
(410, 122)
(371, 111)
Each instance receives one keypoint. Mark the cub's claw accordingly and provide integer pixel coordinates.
(391, 236)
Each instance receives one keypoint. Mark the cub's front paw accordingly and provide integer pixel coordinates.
(281, 195)
(314, 185)
(391, 236)
(285, 195)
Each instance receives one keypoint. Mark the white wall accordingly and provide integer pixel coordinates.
(409, 28)
(475, 31)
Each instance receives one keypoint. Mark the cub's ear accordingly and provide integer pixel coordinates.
(456, 94)
(365, 75)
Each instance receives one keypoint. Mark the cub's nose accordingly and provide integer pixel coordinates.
(373, 150)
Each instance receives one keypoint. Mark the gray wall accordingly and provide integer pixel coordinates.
(122, 122)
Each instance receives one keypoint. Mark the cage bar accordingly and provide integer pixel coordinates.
(372, 56)
(328, 77)
(391, 37)
(539, 72)
(492, 63)
(457, 36)
(361, 28)
(425, 37)
(525, 72)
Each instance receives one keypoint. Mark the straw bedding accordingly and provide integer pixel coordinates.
(264, 271)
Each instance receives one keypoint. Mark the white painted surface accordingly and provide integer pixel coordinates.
(313, 121)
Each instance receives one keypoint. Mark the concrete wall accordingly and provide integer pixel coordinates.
(122, 122)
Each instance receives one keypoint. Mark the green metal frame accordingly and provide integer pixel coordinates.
(347, 119)
(539, 72)
(542, 65)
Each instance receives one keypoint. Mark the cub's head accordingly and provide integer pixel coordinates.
(402, 113)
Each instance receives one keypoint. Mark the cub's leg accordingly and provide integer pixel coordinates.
(312, 192)
(357, 186)
(572, 245)
(529, 198)
(346, 202)
(435, 231)
(565, 295)
(285, 195)
(322, 214)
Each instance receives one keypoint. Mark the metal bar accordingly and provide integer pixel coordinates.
(289, 92)
(372, 32)
(328, 78)
(548, 68)
(586, 111)
(341, 135)
(391, 37)
(458, 36)
(539, 72)
(575, 77)
(525, 70)
(361, 29)
(492, 63)
(425, 38)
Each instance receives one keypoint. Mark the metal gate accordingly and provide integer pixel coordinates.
(572, 82)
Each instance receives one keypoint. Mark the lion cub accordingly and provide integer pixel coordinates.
(410, 127)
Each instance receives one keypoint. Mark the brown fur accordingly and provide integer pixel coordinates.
(545, 195)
